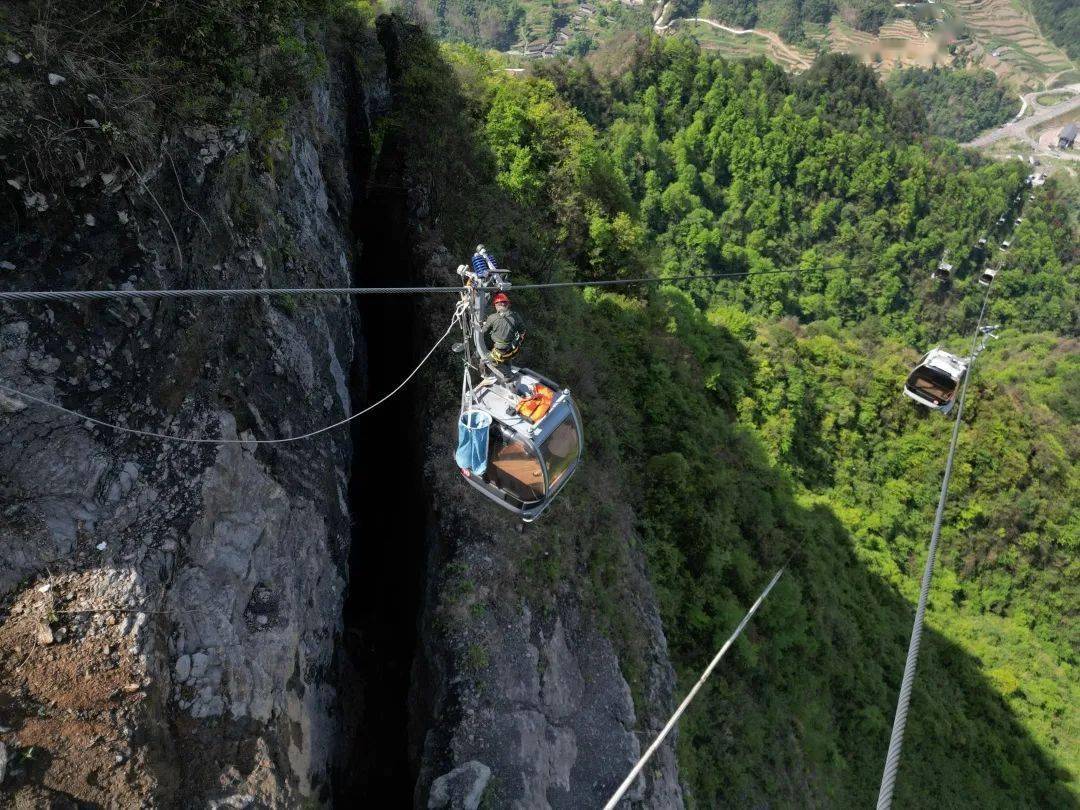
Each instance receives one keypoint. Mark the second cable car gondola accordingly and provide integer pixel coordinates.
(936, 379)
(988, 276)
(519, 434)
(943, 271)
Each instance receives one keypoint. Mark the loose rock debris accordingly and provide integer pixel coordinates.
(71, 691)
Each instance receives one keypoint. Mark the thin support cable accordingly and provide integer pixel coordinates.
(98, 295)
(896, 739)
(204, 440)
(256, 292)
(629, 780)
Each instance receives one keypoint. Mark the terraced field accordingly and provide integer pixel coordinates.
(1012, 43)
(901, 29)
(1000, 35)
(736, 43)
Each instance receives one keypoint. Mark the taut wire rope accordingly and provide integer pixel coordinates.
(896, 739)
(255, 292)
(640, 764)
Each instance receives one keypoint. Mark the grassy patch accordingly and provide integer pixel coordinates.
(1049, 99)
(476, 657)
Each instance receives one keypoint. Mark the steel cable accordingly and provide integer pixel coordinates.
(255, 292)
(640, 764)
(896, 739)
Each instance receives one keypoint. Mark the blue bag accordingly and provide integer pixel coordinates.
(472, 451)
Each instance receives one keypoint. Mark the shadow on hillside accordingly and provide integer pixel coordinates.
(800, 715)
(963, 745)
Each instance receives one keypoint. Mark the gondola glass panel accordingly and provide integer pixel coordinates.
(561, 450)
(514, 468)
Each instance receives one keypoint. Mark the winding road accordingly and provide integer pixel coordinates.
(1018, 128)
(791, 55)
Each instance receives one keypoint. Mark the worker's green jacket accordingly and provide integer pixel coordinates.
(506, 328)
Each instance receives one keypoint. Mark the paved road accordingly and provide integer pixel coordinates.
(1019, 129)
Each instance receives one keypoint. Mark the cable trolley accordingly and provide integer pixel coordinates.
(519, 434)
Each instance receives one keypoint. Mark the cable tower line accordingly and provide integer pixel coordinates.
(149, 434)
(896, 740)
(629, 780)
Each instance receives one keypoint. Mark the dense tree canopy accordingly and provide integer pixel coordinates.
(742, 423)
(490, 23)
(959, 104)
(1060, 20)
(736, 167)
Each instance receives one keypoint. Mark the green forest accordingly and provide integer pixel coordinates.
(959, 104)
(733, 425)
(1060, 21)
(488, 23)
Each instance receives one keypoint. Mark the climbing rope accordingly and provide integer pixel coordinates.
(896, 740)
(629, 780)
(203, 440)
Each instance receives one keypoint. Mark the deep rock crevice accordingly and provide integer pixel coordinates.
(292, 636)
(387, 499)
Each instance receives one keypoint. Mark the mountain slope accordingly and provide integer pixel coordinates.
(723, 435)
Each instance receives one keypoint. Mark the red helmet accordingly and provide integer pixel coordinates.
(501, 298)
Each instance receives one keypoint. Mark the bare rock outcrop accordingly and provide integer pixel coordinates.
(225, 565)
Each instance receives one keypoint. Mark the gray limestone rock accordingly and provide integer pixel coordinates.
(183, 668)
(461, 788)
(190, 531)
(199, 662)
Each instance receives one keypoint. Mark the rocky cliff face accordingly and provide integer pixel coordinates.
(172, 609)
(528, 702)
(174, 629)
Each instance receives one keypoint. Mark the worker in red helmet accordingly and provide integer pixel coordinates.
(506, 330)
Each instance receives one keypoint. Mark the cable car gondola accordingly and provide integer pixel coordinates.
(988, 276)
(943, 271)
(519, 434)
(936, 379)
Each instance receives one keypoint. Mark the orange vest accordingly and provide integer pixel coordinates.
(536, 407)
